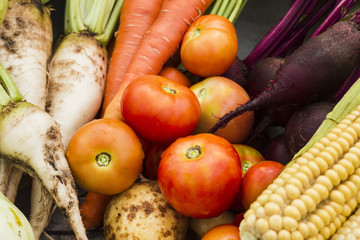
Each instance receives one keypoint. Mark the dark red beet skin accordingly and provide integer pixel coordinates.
(311, 73)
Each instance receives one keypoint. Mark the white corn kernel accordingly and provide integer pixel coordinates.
(271, 208)
(325, 181)
(292, 191)
(261, 225)
(284, 235)
(333, 176)
(300, 205)
(290, 223)
(270, 235)
(322, 190)
(293, 212)
(276, 222)
(309, 202)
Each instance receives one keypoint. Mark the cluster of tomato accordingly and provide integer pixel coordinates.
(164, 133)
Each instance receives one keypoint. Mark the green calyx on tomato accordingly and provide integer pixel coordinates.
(201, 92)
(193, 152)
(197, 33)
(169, 90)
(103, 159)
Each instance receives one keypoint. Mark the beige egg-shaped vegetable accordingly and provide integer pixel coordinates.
(142, 212)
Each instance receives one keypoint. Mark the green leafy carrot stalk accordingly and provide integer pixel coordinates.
(229, 9)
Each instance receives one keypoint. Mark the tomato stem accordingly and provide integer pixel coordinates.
(197, 32)
(169, 90)
(103, 159)
(193, 152)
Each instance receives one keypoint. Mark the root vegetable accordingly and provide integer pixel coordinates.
(25, 48)
(312, 73)
(77, 78)
(303, 124)
(37, 150)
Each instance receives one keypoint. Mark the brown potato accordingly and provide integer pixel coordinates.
(142, 212)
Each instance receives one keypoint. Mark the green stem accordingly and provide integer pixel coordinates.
(229, 9)
(223, 7)
(347, 103)
(109, 29)
(8, 90)
(3, 9)
(99, 17)
(73, 17)
(237, 10)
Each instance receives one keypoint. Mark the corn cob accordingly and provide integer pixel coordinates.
(315, 193)
(350, 230)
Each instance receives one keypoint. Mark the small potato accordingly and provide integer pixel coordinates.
(142, 212)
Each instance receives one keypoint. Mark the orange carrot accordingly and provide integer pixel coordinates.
(159, 43)
(135, 19)
(93, 209)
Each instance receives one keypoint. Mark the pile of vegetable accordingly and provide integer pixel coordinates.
(139, 120)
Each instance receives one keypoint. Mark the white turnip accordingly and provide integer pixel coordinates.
(78, 67)
(31, 140)
(25, 49)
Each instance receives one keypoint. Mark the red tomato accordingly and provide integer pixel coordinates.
(248, 156)
(176, 75)
(238, 218)
(160, 110)
(222, 232)
(199, 175)
(152, 161)
(256, 180)
(105, 156)
(210, 46)
(218, 96)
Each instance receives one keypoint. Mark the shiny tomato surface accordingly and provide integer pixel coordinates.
(105, 156)
(210, 46)
(160, 110)
(199, 175)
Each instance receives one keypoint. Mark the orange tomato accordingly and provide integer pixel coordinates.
(222, 232)
(176, 75)
(210, 46)
(105, 156)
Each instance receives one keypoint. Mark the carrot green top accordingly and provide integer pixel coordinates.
(99, 17)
